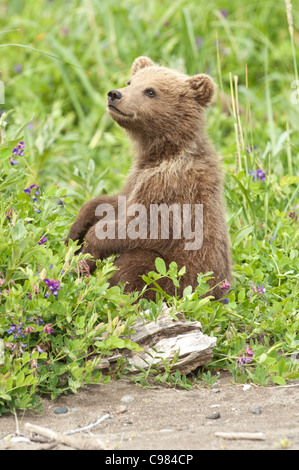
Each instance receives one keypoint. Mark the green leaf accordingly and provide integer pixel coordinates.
(278, 380)
(19, 231)
(241, 234)
(160, 266)
(287, 180)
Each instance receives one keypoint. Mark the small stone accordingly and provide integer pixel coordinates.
(256, 410)
(127, 399)
(246, 387)
(61, 410)
(120, 409)
(214, 415)
(216, 390)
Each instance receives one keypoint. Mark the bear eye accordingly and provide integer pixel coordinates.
(128, 83)
(150, 92)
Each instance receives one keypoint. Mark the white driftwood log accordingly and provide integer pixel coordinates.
(168, 337)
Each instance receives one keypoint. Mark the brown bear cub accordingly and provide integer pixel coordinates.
(171, 206)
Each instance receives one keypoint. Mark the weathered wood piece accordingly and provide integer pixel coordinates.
(162, 339)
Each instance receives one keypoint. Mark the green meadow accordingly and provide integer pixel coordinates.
(59, 148)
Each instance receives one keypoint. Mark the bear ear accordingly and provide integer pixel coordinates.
(140, 63)
(204, 88)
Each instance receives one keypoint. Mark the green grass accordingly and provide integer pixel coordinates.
(58, 63)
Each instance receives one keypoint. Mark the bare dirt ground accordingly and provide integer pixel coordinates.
(168, 419)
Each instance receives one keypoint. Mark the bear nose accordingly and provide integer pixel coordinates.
(114, 95)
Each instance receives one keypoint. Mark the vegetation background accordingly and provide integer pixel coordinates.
(58, 60)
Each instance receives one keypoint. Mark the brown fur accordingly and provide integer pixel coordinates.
(175, 164)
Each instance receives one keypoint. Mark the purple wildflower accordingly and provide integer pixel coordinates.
(42, 240)
(224, 12)
(259, 289)
(293, 216)
(2, 279)
(28, 191)
(13, 162)
(17, 151)
(250, 149)
(29, 330)
(226, 300)
(247, 357)
(16, 330)
(53, 286)
(225, 286)
(259, 175)
(48, 329)
(9, 215)
(271, 238)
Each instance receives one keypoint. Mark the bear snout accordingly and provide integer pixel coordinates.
(114, 96)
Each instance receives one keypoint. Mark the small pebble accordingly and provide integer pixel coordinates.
(127, 399)
(256, 410)
(214, 415)
(61, 410)
(120, 409)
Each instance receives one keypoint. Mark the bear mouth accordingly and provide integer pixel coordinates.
(110, 106)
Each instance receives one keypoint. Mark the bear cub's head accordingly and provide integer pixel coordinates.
(158, 101)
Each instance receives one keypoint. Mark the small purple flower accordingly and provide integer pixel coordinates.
(12, 329)
(29, 330)
(250, 149)
(48, 329)
(17, 151)
(30, 296)
(259, 175)
(293, 216)
(53, 285)
(16, 330)
(259, 289)
(2, 279)
(226, 285)
(226, 300)
(37, 210)
(224, 13)
(42, 240)
(9, 215)
(247, 357)
(39, 349)
(13, 162)
(271, 238)
(28, 191)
